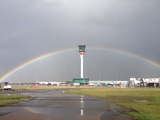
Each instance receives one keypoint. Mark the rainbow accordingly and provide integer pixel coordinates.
(31, 110)
(149, 61)
(8, 74)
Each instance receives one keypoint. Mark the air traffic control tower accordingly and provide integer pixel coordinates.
(81, 80)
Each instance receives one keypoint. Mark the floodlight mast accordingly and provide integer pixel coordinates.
(82, 51)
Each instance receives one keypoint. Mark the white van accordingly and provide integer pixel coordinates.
(7, 87)
(76, 84)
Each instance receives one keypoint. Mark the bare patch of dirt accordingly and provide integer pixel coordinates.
(115, 112)
(118, 117)
(125, 110)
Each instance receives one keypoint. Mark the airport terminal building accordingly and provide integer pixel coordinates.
(145, 82)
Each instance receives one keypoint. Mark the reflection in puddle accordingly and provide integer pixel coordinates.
(31, 110)
(81, 112)
(81, 105)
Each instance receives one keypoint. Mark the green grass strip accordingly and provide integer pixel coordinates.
(144, 103)
(7, 99)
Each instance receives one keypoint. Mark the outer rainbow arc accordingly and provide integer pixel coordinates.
(72, 49)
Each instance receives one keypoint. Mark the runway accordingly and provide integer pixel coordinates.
(57, 105)
(54, 105)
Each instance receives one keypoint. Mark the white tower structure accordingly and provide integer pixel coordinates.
(82, 80)
(82, 51)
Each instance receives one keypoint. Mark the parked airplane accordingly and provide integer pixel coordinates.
(48, 83)
(111, 82)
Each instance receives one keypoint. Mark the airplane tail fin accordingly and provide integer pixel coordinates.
(37, 81)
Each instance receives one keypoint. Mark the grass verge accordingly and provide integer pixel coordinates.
(7, 99)
(142, 103)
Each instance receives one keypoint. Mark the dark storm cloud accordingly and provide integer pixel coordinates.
(35, 27)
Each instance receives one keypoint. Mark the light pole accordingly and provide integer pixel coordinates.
(116, 76)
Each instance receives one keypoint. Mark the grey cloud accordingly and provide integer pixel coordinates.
(35, 27)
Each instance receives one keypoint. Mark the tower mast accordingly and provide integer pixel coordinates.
(81, 51)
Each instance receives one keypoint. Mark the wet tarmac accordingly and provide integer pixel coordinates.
(56, 105)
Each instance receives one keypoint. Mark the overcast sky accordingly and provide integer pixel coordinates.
(32, 28)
